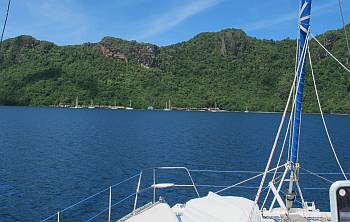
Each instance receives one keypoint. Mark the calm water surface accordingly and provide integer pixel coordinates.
(52, 158)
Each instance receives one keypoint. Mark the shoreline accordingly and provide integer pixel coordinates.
(205, 110)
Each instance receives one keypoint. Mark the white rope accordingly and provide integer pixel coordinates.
(298, 147)
(294, 92)
(188, 172)
(302, 58)
(327, 173)
(344, 27)
(280, 157)
(281, 124)
(227, 171)
(289, 128)
(317, 175)
(290, 135)
(274, 145)
(242, 187)
(323, 120)
(243, 181)
(347, 69)
(283, 145)
(266, 197)
(253, 172)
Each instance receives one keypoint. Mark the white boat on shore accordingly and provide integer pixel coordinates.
(167, 106)
(76, 104)
(91, 106)
(130, 106)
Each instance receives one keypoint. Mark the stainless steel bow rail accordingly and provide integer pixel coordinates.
(155, 186)
(57, 215)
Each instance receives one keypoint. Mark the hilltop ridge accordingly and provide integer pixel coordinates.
(227, 67)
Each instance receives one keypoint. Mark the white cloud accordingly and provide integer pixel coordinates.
(170, 19)
(285, 18)
(53, 20)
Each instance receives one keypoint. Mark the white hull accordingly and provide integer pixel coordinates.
(216, 208)
(310, 215)
(211, 208)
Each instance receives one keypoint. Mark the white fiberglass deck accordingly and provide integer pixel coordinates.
(152, 213)
(216, 208)
(211, 208)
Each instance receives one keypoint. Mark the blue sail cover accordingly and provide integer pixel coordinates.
(304, 23)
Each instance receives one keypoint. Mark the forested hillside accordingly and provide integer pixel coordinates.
(227, 67)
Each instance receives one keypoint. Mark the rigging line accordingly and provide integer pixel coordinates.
(317, 175)
(290, 133)
(295, 86)
(294, 92)
(281, 123)
(302, 58)
(251, 178)
(337, 60)
(323, 120)
(284, 142)
(301, 119)
(280, 157)
(4, 27)
(89, 197)
(344, 27)
(227, 171)
(289, 128)
(215, 186)
(244, 187)
(117, 203)
(251, 172)
(321, 173)
(269, 190)
(104, 210)
(295, 71)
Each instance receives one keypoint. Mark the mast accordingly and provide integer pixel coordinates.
(304, 24)
(76, 102)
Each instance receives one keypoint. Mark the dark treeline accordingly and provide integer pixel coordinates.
(228, 68)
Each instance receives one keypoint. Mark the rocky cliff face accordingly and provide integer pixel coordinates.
(233, 42)
(228, 42)
(143, 54)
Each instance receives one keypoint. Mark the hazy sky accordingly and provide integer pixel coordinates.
(162, 22)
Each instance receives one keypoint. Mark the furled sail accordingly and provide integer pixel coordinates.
(304, 24)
